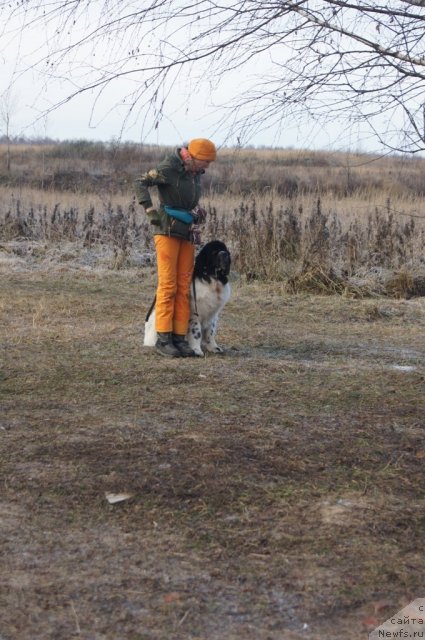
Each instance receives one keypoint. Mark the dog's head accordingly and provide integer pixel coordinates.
(213, 261)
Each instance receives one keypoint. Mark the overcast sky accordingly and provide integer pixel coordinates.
(89, 117)
(82, 118)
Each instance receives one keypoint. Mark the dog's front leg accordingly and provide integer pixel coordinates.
(194, 336)
(208, 338)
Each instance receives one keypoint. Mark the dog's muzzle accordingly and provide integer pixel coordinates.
(223, 262)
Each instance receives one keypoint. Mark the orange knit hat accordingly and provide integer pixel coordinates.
(202, 149)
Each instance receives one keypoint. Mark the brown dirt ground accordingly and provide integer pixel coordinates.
(277, 491)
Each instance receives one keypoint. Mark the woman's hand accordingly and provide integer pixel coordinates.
(154, 216)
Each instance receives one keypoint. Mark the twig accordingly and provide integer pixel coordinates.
(77, 624)
(183, 618)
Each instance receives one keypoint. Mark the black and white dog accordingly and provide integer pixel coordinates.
(209, 292)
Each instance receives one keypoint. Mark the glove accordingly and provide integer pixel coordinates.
(196, 236)
(199, 215)
(154, 217)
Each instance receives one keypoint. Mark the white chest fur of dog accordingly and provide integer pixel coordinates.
(209, 292)
(205, 310)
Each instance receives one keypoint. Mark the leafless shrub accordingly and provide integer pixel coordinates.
(113, 225)
(316, 251)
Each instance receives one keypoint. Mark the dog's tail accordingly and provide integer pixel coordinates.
(149, 338)
(151, 308)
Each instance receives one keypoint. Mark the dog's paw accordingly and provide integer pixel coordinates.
(214, 348)
(199, 353)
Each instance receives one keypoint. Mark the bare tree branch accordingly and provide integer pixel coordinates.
(327, 59)
(418, 3)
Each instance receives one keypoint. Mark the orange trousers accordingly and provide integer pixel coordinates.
(175, 260)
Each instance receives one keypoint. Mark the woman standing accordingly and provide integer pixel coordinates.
(177, 178)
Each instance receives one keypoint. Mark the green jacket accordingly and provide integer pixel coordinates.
(176, 188)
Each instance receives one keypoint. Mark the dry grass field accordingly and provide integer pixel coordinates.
(275, 492)
(318, 222)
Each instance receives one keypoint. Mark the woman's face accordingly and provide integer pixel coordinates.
(200, 165)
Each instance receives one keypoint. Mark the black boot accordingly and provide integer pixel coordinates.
(164, 345)
(183, 346)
